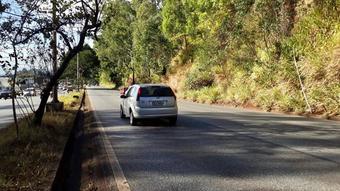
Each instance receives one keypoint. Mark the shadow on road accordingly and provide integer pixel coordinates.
(99, 88)
(208, 144)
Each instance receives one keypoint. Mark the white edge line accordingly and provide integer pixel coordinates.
(120, 180)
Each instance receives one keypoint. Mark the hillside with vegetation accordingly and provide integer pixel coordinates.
(273, 54)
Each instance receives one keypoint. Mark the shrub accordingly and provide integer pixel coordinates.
(199, 78)
(209, 95)
(191, 95)
(241, 89)
(264, 98)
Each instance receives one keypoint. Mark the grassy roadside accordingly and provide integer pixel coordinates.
(30, 162)
(211, 95)
(237, 96)
(107, 84)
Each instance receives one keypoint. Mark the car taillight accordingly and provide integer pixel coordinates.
(139, 93)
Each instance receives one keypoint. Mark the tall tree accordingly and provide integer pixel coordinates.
(174, 21)
(74, 22)
(15, 33)
(151, 50)
(83, 14)
(114, 47)
(88, 64)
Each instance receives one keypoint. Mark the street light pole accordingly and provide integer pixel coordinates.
(54, 48)
(78, 71)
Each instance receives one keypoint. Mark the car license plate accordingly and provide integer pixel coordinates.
(157, 103)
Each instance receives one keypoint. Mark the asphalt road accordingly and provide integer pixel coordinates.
(22, 106)
(218, 148)
(6, 113)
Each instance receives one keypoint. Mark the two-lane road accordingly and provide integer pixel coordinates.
(218, 148)
(6, 112)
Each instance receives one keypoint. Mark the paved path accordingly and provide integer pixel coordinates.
(218, 148)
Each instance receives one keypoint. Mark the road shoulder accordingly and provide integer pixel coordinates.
(97, 173)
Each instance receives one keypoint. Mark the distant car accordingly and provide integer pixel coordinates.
(29, 92)
(5, 93)
(62, 87)
(69, 88)
(18, 92)
(149, 101)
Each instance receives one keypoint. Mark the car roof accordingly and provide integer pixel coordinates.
(148, 85)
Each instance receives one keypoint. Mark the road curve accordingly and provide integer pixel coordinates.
(217, 148)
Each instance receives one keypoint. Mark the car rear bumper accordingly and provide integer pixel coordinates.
(141, 113)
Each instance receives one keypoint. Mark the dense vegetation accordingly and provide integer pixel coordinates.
(262, 53)
(88, 66)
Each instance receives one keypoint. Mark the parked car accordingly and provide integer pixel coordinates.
(5, 93)
(29, 92)
(149, 101)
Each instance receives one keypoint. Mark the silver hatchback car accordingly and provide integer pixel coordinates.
(142, 101)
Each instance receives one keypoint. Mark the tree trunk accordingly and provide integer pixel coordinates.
(53, 81)
(289, 13)
(72, 53)
(185, 43)
(13, 90)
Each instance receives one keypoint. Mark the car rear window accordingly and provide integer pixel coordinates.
(156, 91)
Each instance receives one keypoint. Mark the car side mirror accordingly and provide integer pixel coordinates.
(122, 96)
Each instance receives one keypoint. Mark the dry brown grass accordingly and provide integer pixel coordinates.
(30, 162)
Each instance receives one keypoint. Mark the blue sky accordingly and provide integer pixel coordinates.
(12, 9)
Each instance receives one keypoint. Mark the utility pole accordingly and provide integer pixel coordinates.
(54, 48)
(78, 72)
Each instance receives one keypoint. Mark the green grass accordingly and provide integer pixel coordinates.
(108, 85)
(71, 100)
(205, 95)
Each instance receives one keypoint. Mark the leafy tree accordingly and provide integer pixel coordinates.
(150, 48)
(174, 21)
(114, 47)
(89, 65)
(234, 45)
(15, 32)
(83, 16)
(179, 25)
(132, 41)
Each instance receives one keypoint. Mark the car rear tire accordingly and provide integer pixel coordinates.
(133, 120)
(173, 120)
(122, 115)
